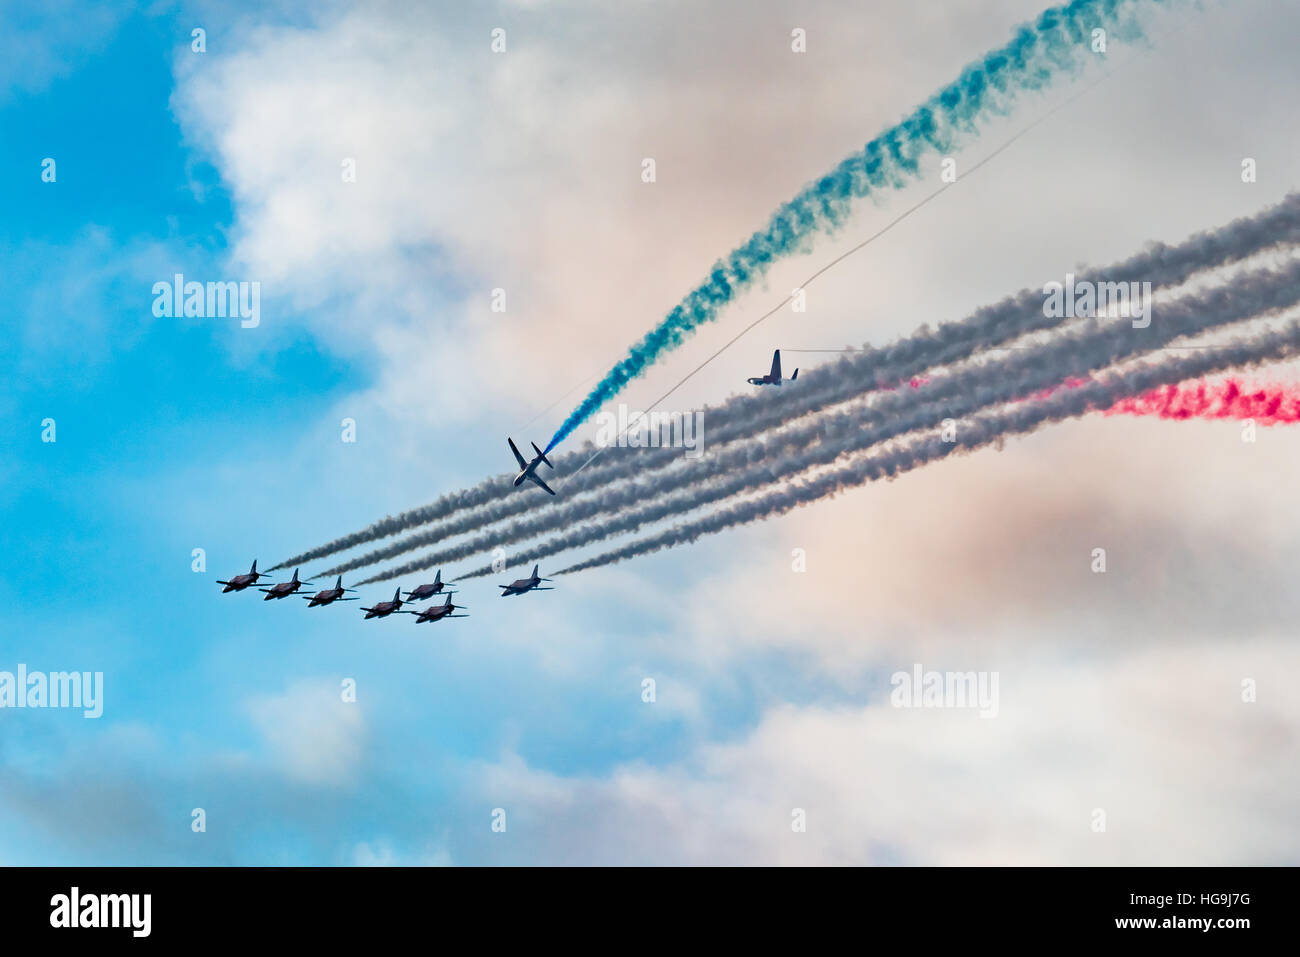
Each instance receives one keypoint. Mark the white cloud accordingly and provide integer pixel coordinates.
(1159, 740)
(42, 42)
(310, 732)
(521, 172)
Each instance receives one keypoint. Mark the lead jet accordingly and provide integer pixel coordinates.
(421, 592)
(284, 589)
(528, 470)
(773, 377)
(385, 608)
(521, 585)
(240, 582)
(329, 595)
(437, 612)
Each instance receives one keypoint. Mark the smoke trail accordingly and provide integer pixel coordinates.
(486, 491)
(1267, 405)
(879, 368)
(988, 87)
(742, 468)
(982, 430)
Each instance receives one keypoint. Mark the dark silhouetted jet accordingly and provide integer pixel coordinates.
(329, 595)
(421, 592)
(774, 377)
(437, 612)
(528, 470)
(240, 582)
(284, 589)
(385, 608)
(521, 585)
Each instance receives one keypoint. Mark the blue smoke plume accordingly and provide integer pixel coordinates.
(1037, 54)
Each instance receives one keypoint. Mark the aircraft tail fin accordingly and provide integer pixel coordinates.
(795, 376)
(397, 595)
(535, 567)
(253, 570)
(437, 579)
(542, 455)
(339, 582)
(295, 574)
(776, 366)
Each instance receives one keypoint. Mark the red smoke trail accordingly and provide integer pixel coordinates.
(1226, 399)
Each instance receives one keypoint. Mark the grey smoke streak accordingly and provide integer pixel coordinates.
(980, 431)
(849, 378)
(1093, 345)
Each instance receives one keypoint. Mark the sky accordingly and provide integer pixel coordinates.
(521, 171)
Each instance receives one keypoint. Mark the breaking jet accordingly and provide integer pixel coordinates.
(240, 582)
(528, 470)
(437, 612)
(329, 595)
(385, 608)
(421, 592)
(521, 585)
(773, 377)
(284, 589)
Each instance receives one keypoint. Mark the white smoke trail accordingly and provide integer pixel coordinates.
(853, 375)
(739, 469)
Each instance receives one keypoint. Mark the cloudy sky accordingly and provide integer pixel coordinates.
(1119, 692)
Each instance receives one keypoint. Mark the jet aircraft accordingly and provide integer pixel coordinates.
(437, 612)
(240, 582)
(773, 377)
(528, 470)
(329, 595)
(521, 585)
(385, 608)
(421, 592)
(284, 589)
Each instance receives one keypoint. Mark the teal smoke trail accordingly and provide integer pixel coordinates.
(1034, 57)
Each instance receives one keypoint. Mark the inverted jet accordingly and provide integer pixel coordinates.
(528, 470)
(773, 377)
(329, 595)
(521, 585)
(385, 608)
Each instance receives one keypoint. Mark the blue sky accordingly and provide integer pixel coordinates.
(167, 437)
(175, 434)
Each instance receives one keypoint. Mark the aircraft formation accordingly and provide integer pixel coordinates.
(520, 586)
(382, 609)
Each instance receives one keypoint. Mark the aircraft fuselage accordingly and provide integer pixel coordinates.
(325, 597)
(527, 471)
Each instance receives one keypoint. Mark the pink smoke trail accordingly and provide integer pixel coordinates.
(1224, 399)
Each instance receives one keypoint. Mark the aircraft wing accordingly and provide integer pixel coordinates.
(518, 458)
(541, 483)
